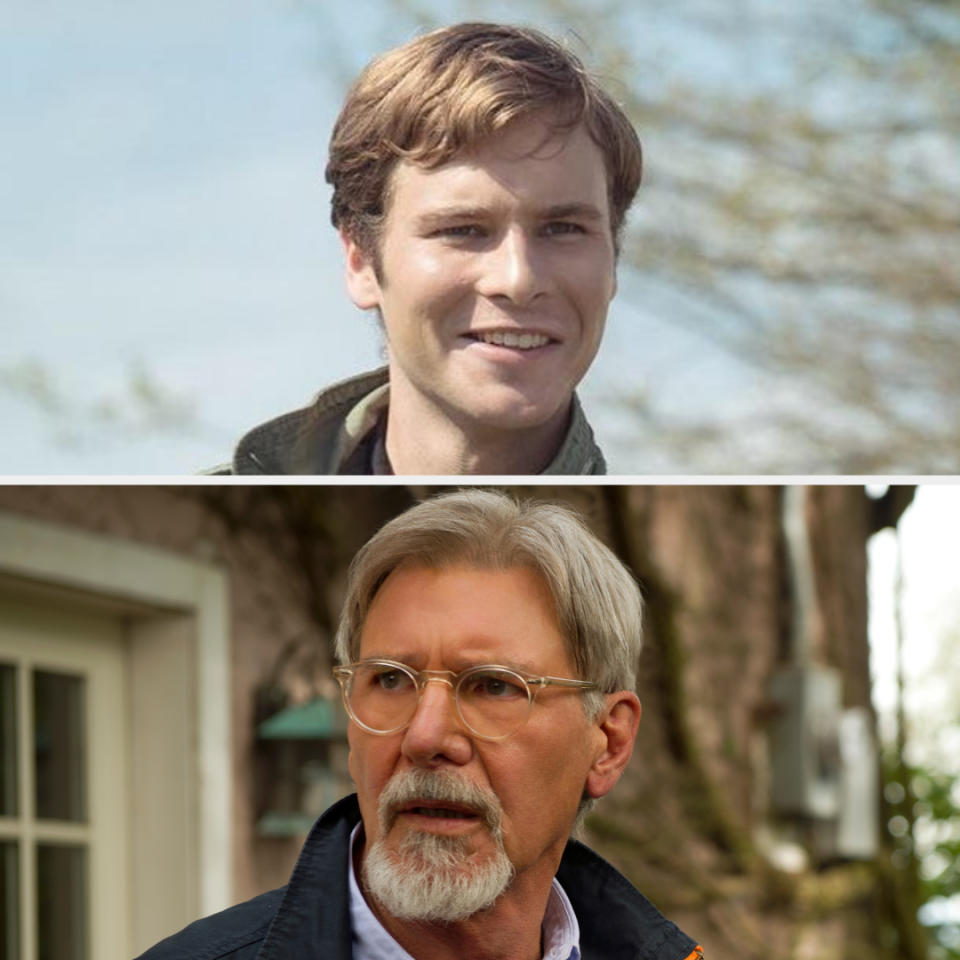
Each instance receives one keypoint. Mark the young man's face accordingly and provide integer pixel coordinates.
(497, 270)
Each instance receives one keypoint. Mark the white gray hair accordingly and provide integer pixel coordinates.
(597, 601)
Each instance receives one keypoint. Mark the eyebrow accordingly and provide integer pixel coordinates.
(559, 211)
(585, 211)
(409, 660)
(453, 212)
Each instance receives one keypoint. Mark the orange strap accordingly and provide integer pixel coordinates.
(697, 954)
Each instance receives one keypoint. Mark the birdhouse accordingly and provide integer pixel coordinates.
(303, 766)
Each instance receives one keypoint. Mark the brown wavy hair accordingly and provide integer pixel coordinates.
(450, 89)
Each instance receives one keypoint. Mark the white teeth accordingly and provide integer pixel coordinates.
(522, 341)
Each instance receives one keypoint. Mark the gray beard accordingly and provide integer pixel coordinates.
(429, 877)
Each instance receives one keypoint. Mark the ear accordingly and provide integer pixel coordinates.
(618, 725)
(362, 284)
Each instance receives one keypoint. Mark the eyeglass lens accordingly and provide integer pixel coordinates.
(492, 701)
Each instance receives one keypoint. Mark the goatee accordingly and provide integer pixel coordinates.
(430, 877)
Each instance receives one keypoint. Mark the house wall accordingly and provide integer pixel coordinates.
(711, 562)
(264, 610)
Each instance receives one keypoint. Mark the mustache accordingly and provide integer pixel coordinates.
(439, 786)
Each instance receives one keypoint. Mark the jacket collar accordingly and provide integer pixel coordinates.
(616, 921)
(337, 434)
(313, 919)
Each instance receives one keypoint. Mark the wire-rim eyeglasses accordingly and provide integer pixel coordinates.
(492, 700)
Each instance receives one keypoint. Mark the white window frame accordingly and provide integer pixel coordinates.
(91, 648)
(177, 611)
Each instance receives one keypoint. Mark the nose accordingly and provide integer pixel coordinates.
(513, 269)
(436, 734)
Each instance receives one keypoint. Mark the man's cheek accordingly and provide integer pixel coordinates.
(352, 762)
(359, 767)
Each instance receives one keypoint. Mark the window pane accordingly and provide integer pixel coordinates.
(60, 746)
(9, 900)
(8, 740)
(61, 903)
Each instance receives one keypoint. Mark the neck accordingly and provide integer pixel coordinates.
(423, 439)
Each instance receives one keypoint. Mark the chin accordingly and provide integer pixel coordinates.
(515, 410)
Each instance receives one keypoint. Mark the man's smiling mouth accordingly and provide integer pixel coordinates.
(514, 340)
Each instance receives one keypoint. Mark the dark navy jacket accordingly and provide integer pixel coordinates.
(309, 918)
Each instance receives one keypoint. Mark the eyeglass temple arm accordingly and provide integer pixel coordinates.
(562, 682)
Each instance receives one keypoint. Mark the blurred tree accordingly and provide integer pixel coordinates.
(936, 836)
(139, 404)
(922, 793)
(801, 208)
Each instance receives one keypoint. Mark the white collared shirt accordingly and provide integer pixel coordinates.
(561, 932)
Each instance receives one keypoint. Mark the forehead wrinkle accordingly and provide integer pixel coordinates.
(467, 659)
(458, 660)
(417, 639)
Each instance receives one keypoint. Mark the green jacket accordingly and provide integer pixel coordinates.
(338, 434)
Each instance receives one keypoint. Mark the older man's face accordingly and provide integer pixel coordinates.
(451, 619)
